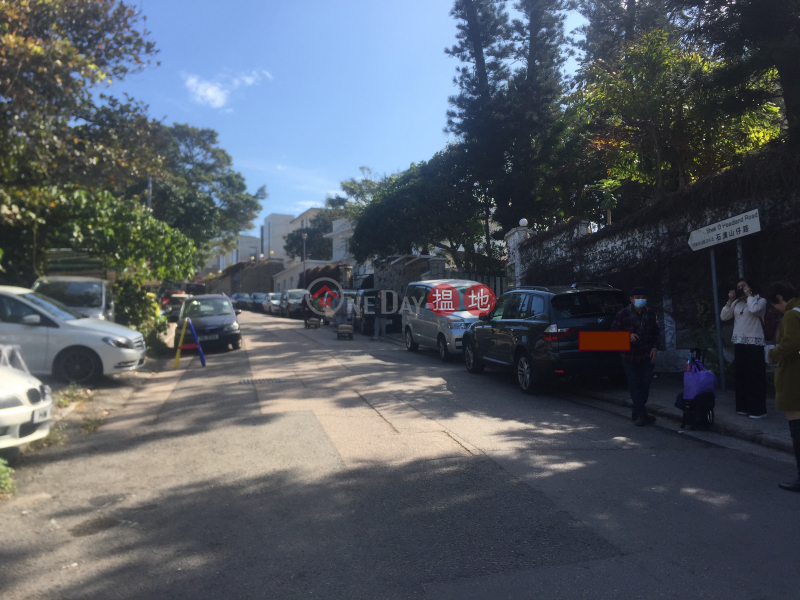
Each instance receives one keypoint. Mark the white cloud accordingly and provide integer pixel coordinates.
(246, 79)
(216, 93)
(206, 92)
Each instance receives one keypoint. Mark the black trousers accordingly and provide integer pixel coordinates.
(751, 379)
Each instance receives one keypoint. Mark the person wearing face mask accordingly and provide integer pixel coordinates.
(747, 309)
(640, 362)
(783, 297)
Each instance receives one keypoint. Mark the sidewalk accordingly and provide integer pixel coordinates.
(772, 432)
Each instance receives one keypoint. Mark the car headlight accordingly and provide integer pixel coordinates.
(231, 327)
(457, 324)
(10, 402)
(119, 342)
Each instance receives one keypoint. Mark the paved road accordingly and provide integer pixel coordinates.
(349, 470)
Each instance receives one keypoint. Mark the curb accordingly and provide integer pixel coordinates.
(722, 428)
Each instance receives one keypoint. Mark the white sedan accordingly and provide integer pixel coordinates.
(56, 341)
(26, 406)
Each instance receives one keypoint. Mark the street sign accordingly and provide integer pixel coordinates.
(725, 231)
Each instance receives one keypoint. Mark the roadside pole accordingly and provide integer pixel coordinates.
(719, 321)
(740, 258)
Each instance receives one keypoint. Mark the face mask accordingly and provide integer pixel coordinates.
(640, 303)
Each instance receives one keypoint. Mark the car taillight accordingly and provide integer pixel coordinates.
(553, 334)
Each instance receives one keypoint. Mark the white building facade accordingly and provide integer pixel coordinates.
(340, 236)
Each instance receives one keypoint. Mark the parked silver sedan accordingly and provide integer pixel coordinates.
(271, 305)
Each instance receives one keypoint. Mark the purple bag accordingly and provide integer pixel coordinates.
(698, 381)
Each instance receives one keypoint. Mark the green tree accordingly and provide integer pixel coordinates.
(531, 107)
(483, 47)
(51, 54)
(197, 191)
(429, 205)
(610, 24)
(659, 119)
(753, 37)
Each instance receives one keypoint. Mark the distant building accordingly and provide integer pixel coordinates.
(340, 236)
(273, 235)
(276, 227)
(248, 247)
(270, 244)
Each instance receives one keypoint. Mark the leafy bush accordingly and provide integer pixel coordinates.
(7, 486)
(137, 309)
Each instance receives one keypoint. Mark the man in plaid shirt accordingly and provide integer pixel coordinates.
(640, 362)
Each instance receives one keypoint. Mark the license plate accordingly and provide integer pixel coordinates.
(207, 338)
(42, 414)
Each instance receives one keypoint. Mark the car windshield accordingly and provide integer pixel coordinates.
(258, 296)
(587, 304)
(80, 294)
(243, 296)
(206, 307)
(275, 296)
(296, 295)
(53, 307)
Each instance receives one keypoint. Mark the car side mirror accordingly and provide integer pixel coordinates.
(31, 320)
(238, 311)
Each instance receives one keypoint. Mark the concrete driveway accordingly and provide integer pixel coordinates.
(306, 467)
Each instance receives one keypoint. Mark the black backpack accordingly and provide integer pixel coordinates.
(698, 413)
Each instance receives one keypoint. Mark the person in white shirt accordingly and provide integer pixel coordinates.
(747, 310)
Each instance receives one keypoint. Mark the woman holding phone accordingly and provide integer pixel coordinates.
(747, 309)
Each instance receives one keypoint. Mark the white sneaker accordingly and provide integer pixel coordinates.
(741, 412)
(764, 416)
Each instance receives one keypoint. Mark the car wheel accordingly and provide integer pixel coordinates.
(471, 358)
(441, 345)
(410, 343)
(525, 372)
(78, 365)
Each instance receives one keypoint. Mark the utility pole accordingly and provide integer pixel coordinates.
(304, 236)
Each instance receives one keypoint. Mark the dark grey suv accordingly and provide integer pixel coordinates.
(535, 330)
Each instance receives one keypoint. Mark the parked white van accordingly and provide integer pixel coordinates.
(423, 327)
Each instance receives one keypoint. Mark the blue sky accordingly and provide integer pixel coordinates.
(303, 94)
